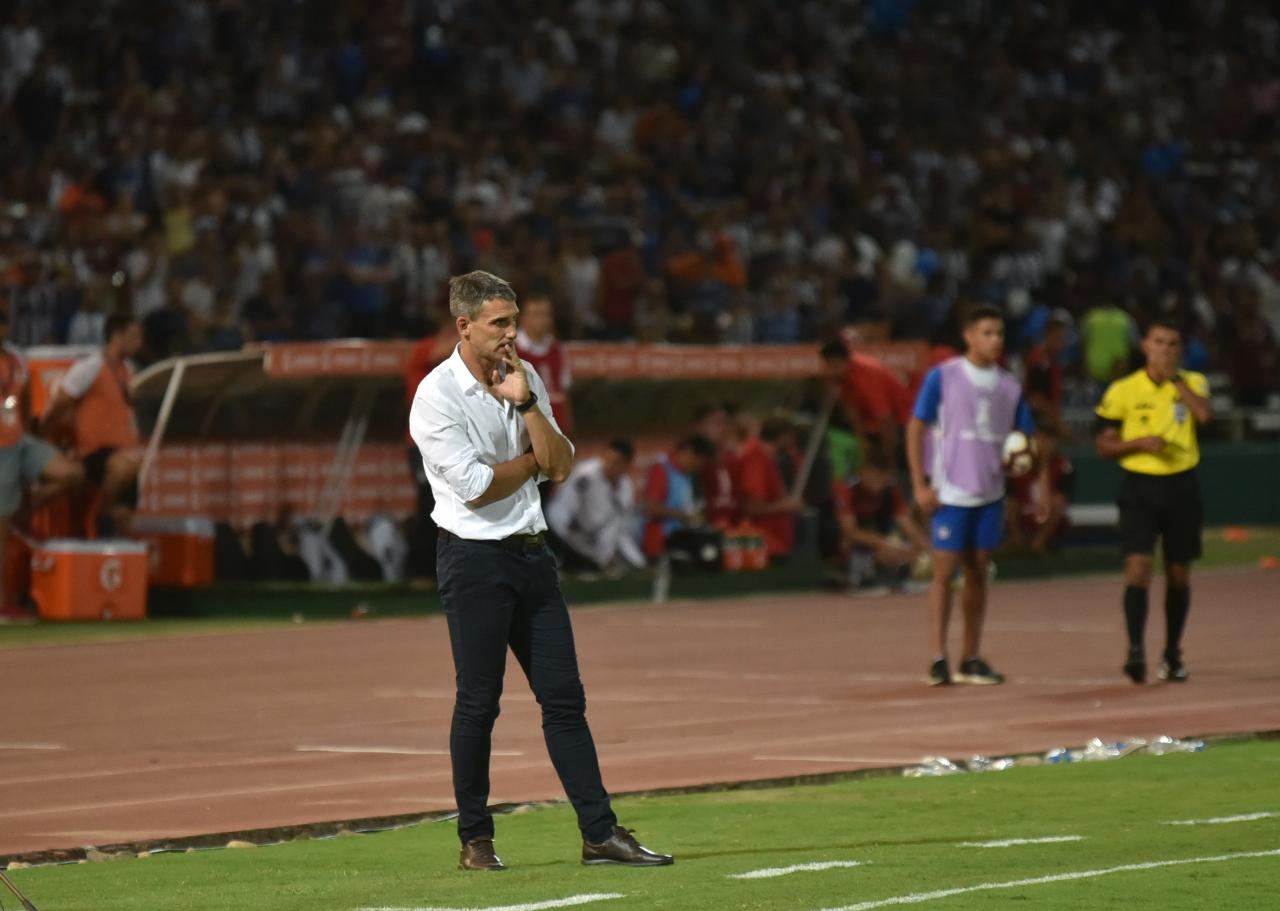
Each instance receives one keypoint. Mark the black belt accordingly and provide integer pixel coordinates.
(514, 542)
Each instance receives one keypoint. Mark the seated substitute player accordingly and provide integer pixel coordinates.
(1148, 421)
(972, 404)
(879, 537)
(26, 462)
(96, 394)
(669, 503)
(590, 514)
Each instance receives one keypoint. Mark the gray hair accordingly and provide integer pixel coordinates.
(467, 293)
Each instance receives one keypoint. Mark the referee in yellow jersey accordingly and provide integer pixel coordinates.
(1148, 421)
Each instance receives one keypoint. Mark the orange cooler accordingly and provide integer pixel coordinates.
(181, 549)
(90, 580)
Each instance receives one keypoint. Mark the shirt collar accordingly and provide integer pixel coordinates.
(465, 379)
(1148, 380)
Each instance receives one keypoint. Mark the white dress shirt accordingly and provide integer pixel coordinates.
(592, 515)
(462, 431)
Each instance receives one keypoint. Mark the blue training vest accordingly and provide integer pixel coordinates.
(679, 494)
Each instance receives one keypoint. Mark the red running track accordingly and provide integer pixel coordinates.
(155, 738)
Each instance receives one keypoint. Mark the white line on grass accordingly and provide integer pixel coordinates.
(770, 872)
(1014, 842)
(392, 751)
(572, 900)
(1220, 820)
(916, 898)
(15, 745)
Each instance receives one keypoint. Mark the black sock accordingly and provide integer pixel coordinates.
(1135, 614)
(1177, 602)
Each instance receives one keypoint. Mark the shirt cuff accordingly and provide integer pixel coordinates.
(475, 483)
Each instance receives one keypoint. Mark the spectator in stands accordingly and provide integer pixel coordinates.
(874, 400)
(1044, 380)
(368, 273)
(39, 102)
(224, 331)
(590, 514)
(97, 396)
(880, 540)
(670, 502)
(621, 282)
(763, 498)
(580, 279)
(1108, 334)
(644, 155)
(1253, 351)
(536, 343)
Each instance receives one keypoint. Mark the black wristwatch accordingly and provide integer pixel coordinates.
(528, 403)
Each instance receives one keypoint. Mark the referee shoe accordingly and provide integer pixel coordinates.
(1135, 667)
(1171, 669)
(978, 672)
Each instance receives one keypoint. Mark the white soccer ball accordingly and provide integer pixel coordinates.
(1018, 454)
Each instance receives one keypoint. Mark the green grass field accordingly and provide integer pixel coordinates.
(909, 838)
(231, 609)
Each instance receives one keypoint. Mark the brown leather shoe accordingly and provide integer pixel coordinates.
(477, 854)
(622, 848)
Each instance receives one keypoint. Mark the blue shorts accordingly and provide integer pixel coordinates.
(969, 527)
(20, 466)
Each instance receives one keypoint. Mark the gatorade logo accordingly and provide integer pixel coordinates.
(943, 532)
(111, 575)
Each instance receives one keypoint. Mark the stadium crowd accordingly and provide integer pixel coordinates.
(683, 171)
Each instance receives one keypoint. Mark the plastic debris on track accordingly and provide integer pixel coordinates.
(932, 767)
(1095, 750)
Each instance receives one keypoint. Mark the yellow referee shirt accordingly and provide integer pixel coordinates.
(1144, 409)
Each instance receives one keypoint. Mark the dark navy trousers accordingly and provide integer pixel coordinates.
(497, 598)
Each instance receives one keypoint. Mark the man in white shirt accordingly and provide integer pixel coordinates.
(591, 511)
(487, 435)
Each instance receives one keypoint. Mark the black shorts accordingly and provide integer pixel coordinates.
(95, 465)
(95, 470)
(1161, 506)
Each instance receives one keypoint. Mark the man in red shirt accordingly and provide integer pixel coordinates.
(537, 344)
(1025, 528)
(1043, 384)
(715, 483)
(762, 495)
(876, 402)
(879, 537)
(621, 279)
